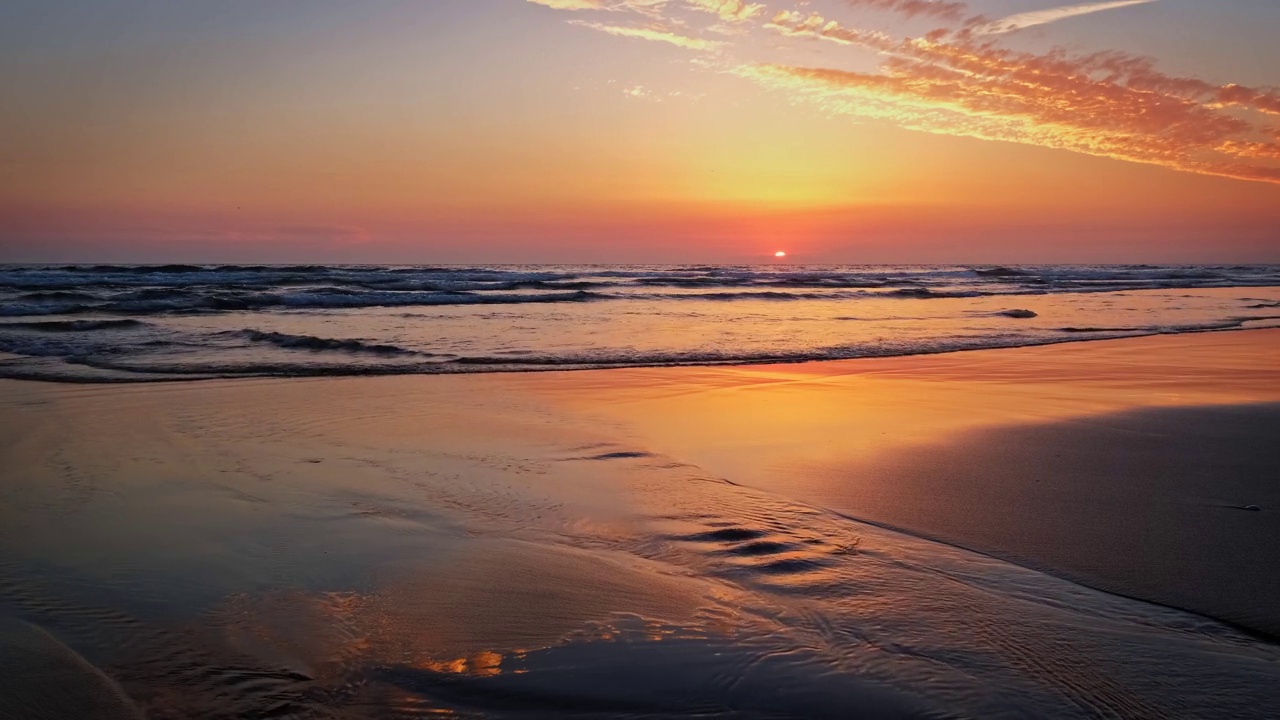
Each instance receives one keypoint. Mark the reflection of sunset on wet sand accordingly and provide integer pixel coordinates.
(595, 559)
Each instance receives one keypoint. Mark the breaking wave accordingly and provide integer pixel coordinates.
(108, 323)
(311, 342)
(76, 325)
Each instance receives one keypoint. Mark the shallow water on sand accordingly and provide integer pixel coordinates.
(403, 547)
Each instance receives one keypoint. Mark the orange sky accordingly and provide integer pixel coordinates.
(641, 131)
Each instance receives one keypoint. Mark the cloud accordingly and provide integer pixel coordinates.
(572, 4)
(815, 26)
(729, 10)
(1043, 17)
(647, 7)
(1109, 104)
(656, 34)
(943, 9)
(957, 80)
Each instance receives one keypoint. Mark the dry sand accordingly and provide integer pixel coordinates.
(665, 541)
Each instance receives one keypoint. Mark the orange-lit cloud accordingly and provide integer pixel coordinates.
(956, 80)
(1109, 104)
(944, 9)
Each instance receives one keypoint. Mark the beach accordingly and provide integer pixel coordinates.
(1057, 531)
(640, 359)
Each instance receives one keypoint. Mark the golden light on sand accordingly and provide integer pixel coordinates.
(780, 254)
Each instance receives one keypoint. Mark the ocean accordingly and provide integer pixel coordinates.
(132, 323)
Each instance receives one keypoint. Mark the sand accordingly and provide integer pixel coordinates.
(666, 541)
(1123, 465)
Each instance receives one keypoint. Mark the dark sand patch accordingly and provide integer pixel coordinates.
(1146, 503)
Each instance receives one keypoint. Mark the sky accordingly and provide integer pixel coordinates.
(652, 131)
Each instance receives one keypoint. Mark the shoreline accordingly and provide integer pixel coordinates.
(555, 368)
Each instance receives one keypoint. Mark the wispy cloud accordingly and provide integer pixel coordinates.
(815, 26)
(572, 4)
(647, 7)
(656, 34)
(729, 10)
(1043, 17)
(944, 9)
(1110, 104)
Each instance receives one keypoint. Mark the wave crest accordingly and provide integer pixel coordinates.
(311, 342)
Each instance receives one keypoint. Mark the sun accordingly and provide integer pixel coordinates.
(780, 254)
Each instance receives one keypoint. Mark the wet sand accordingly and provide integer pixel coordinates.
(41, 679)
(666, 541)
(1123, 465)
